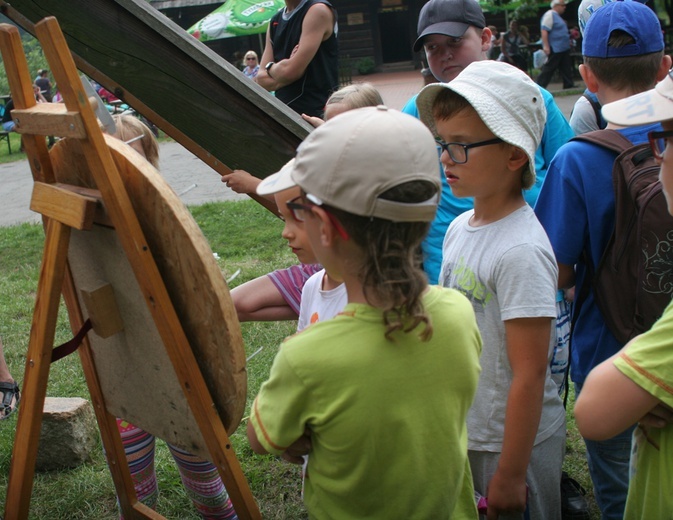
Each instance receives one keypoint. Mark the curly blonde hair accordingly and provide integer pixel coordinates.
(390, 268)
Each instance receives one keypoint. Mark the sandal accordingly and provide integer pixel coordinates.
(10, 398)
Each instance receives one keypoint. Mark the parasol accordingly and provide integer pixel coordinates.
(236, 18)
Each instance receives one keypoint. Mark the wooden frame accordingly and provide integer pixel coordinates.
(67, 209)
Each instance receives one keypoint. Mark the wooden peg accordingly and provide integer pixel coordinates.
(102, 307)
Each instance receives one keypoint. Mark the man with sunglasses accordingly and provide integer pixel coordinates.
(623, 52)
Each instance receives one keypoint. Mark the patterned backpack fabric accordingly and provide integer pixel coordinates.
(633, 282)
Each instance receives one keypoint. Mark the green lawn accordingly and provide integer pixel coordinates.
(246, 237)
(16, 155)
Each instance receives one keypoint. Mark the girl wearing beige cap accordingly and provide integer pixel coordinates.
(378, 395)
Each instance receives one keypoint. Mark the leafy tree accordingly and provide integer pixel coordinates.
(34, 57)
(518, 9)
(667, 6)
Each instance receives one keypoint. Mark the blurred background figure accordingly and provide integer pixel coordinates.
(511, 45)
(44, 84)
(251, 64)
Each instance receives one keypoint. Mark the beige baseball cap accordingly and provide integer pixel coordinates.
(352, 159)
(652, 106)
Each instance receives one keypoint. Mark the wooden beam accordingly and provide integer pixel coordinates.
(58, 202)
(48, 119)
(177, 82)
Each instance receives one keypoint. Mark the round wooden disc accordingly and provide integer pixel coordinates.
(136, 375)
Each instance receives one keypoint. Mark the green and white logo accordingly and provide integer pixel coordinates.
(236, 18)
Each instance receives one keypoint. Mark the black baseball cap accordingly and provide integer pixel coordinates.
(448, 17)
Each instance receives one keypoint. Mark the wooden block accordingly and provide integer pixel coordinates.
(103, 311)
(65, 205)
(48, 119)
(101, 217)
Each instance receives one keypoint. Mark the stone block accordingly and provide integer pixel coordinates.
(69, 433)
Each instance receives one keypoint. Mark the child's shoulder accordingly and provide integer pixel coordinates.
(520, 225)
(438, 299)
(522, 229)
(314, 281)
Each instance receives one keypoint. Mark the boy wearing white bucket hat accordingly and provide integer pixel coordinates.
(623, 54)
(453, 34)
(637, 381)
(489, 121)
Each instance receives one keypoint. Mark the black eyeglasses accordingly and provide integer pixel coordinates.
(659, 143)
(298, 209)
(458, 151)
(251, 58)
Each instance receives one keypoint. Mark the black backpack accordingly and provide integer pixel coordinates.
(633, 283)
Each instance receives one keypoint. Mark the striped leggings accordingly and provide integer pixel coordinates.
(200, 478)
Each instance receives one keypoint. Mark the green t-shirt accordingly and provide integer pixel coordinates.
(388, 418)
(648, 362)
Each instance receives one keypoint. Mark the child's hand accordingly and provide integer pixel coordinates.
(241, 181)
(313, 120)
(300, 447)
(505, 495)
(658, 417)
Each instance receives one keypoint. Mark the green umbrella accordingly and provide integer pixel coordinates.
(236, 18)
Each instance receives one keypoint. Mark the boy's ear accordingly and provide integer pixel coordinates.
(486, 34)
(327, 229)
(517, 159)
(589, 78)
(664, 67)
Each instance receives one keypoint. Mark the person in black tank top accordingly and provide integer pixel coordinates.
(300, 60)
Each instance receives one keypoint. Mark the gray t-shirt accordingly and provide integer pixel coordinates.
(507, 270)
(583, 117)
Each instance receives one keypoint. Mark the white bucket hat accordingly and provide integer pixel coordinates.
(508, 102)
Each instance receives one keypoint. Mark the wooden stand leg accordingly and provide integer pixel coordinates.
(35, 379)
(107, 423)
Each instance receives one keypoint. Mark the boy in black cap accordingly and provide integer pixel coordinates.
(454, 34)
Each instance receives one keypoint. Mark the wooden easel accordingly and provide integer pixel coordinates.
(69, 209)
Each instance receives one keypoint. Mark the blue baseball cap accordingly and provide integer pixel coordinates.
(634, 18)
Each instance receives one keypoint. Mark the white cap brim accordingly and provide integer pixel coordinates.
(279, 181)
(652, 106)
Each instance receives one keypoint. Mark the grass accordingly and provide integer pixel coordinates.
(16, 155)
(246, 237)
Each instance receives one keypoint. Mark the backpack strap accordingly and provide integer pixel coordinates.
(596, 106)
(610, 139)
(615, 141)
